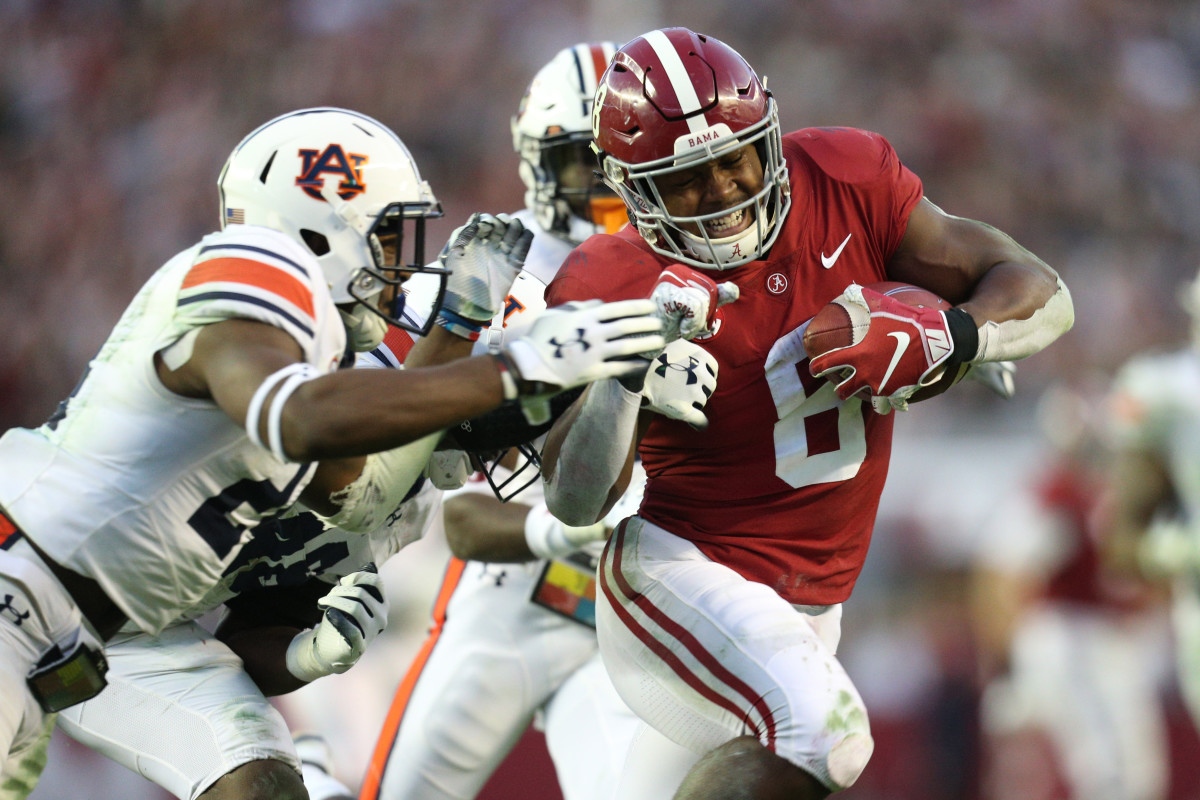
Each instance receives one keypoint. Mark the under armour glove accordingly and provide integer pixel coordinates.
(687, 300)
(355, 613)
(905, 348)
(577, 343)
(680, 381)
(483, 258)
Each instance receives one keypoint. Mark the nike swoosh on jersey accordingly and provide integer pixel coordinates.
(902, 340)
(829, 261)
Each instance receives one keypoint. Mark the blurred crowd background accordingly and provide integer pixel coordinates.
(1073, 125)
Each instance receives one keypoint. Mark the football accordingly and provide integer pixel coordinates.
(834, 327)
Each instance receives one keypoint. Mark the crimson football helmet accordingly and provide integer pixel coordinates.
(552, 133)
(343, 185)
(673, 99)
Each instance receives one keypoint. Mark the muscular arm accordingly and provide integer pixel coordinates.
(339, 417)
(346, 413)
(481, 528)
(589, 453)
(987, 274)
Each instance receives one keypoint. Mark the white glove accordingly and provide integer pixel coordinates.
(355, 613)
(483, 257)
(679, 383)
(687, 300)
(548, 537)
(577, 343)
(448, 469)
(999, 376)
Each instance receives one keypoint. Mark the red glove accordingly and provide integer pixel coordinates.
(904, 348)
(687, 301)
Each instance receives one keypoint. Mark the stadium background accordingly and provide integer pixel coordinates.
(1072, 124)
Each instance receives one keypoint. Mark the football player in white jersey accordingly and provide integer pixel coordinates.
(513, 638)
(186, 708)
(1153, 485)
(217, 402)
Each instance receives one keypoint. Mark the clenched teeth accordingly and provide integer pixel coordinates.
(727, 222)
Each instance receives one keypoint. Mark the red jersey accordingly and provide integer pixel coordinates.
(1071, 495)
(784, 484)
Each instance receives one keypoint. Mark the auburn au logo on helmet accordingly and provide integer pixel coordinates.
(333, 159)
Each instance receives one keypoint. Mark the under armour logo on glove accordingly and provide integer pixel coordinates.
(664, 364)
(678, 388)
(560, 346)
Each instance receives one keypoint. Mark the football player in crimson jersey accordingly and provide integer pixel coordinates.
(508, 644)
(217, 403)
(1069, 651)
(720, 602)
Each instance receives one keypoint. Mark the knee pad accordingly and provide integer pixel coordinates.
(848, 758)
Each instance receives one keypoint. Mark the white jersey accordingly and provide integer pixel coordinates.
(1157, 408)
(149, 493)
(546, 253)
(290, 550)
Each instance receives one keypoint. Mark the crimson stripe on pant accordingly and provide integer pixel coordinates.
(684, 637)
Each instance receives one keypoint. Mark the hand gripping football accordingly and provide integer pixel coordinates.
(837, 325)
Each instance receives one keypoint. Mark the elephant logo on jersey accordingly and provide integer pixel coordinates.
(578, 340)
(336, 161)
(665, 364)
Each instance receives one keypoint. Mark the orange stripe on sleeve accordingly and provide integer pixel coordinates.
(7, 528)
(391, 725)
(252, 273)
(599, 62)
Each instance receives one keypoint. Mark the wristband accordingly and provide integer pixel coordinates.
(964, 335)
(459, 325)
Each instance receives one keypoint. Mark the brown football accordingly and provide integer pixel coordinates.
(832, 327)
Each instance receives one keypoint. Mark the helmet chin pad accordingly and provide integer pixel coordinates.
(364, 330)
(722, 251)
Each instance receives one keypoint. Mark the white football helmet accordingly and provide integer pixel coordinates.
(552, 133)
(343, 185)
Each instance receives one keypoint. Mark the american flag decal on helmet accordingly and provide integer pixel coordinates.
(235, 216)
